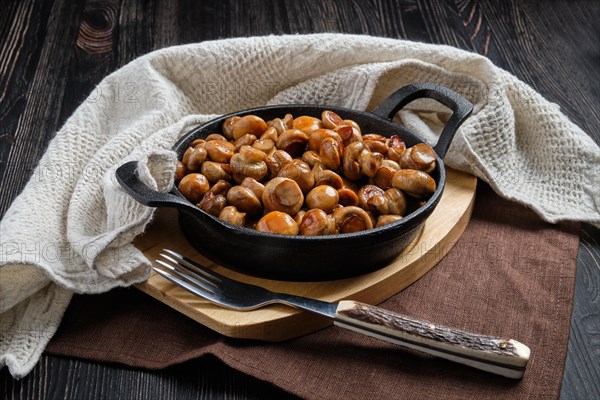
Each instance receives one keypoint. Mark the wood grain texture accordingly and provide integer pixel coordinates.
(582, 370)
(52, 54)
(202, 379)
(34, 88)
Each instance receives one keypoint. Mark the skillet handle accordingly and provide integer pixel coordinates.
(461, 108)
(128, 178)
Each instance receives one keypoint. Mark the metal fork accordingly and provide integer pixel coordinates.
(506, 357)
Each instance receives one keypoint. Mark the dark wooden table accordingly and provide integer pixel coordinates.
(54, 52)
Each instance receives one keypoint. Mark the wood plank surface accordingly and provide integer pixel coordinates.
(53, 53)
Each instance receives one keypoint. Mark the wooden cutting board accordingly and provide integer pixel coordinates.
(278, 322)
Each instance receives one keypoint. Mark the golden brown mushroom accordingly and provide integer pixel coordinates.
(370, 162)
(311, 158)
(392, 201)
(271, 133)
(288, 120)
(180, 171)
(420, 156)
(276, 161)
(278, 125)
(327, 177)
(221, 187)
(352, 219)
(277, 222)
(370, 196)
(233, 216)
(194, 157)
(348, 133)
(353, 124)
(186, 155)
(351, 161)
(197, 142)
(323, 197)
(316, 137)
(307, 124)
(347, 197)
(249, 162)
(255, 186)
(387, 219)
(330, 152)
(246, 140)
(415, 183)
(316, 222)
(212, 203)
(228, 127)
(193, 187)
(264, 145)
(330, 119)
(248, 124)
(215, 136)
(383, 176)
(396, 202)
(219, 150)
(396, 147)
(282, 194)
(215, 171)
(252, 154)
(393, 165)
(244, 200)
(376, 143)
(300, 172)
(299, 215)
(293, 142)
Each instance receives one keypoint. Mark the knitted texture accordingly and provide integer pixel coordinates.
(77, 236)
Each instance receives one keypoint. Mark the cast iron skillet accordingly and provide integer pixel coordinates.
(306, 258)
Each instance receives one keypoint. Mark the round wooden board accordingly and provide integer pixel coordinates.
(278, 322)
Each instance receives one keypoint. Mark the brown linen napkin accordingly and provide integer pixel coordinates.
(510, 274)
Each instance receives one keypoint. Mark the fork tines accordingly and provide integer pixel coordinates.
(195, 276)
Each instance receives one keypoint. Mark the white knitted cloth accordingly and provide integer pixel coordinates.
(71, 228)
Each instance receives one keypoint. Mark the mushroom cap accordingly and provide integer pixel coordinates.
(415, 183)
(248, 124)
(316, 222)
(193, 187)
(233, 216)
(282, 194)
(277, 222)
(244, 200)
(351, 219)
(300, 172)
(323, 197)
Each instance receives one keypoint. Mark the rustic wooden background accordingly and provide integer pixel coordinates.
(52, 53)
